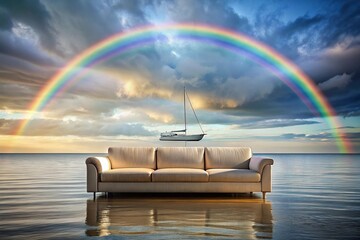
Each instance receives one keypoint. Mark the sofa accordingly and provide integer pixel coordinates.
(179, 169)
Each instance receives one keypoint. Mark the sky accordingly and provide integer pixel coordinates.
(131, 98)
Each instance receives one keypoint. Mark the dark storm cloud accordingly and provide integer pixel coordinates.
(353, 112)
(344, 22)
(288, 38)
(16, 47)
(320, 30)
(299, 25)
(339, 81)
(347, 106)
(325, 45)
(32, 13)
(79, 24)
(281, 103)
(216, 12)
(324, 64)
(24, 65)
(5, 20)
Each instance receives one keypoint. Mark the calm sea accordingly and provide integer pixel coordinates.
(43, 196)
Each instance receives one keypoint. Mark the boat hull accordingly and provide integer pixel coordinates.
(187, 138)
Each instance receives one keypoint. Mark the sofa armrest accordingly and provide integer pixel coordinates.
(259, 163)
(94, 166)
(101, 163)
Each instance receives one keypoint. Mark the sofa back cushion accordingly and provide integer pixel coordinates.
(227, 157)
(180, 157)
(132, 157)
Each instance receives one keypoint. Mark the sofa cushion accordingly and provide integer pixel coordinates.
(184, 157)
(179, 175)
(132, 157)
(233, 175)
(227, 157)
(127, 175)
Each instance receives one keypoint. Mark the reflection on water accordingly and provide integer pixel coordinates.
(43, 196)
(171, 216)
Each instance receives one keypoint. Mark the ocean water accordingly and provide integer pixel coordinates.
(43, 196)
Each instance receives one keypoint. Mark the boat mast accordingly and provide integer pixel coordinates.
(185, 108)
(197, 119)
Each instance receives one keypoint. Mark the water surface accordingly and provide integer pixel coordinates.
(314, 197)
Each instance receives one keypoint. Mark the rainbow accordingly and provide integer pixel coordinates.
(283, 68)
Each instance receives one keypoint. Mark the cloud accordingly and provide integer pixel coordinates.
(275, 123)
(20, 80)
(31, 13)
(214, 12)
(5, 20)
(296, 27)
(132, 13)
(338, 81)
(72, 126)
(353, 113)
(190, 68)
(342, 23)
(80, 24)
(322, 136)
(343, 57)
(17, 47)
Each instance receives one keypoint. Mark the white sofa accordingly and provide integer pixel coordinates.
(179, 169)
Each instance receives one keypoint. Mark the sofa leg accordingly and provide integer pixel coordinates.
(263, 195)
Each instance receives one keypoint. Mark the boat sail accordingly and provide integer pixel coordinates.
(180, 135)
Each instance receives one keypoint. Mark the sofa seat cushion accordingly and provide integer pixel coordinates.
(179, 175)
(127, 175)
(233, 175)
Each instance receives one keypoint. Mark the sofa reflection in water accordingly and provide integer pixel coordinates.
(189, 217)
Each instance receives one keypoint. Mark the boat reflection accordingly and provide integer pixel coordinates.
(171, 216)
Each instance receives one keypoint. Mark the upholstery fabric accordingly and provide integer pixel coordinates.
(258, 163)
(175, 157)
(266, 185)
(132, 157)
(227, 157)
(92, 178)
(101, 163)
(127, 175)
(195, 187)
(233, 175)
(179, 175)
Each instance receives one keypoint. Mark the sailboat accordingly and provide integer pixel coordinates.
(181, 135)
